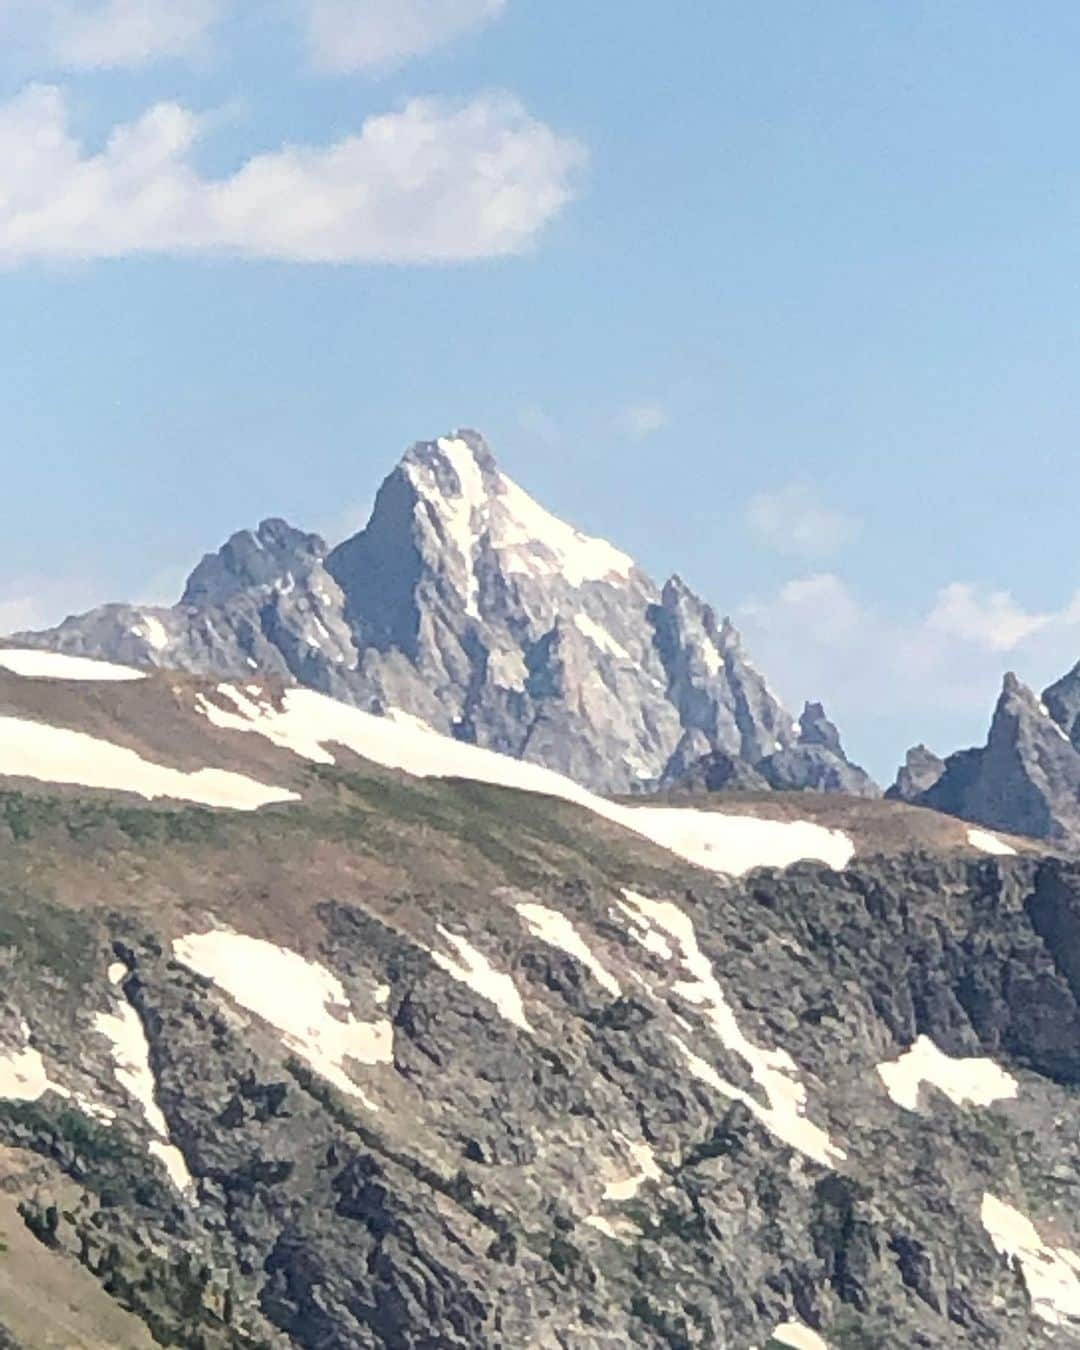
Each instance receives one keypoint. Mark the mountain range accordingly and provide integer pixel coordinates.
(467, 604)
(446, 941)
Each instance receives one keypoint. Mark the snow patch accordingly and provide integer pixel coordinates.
(308, 722)
(131, 1064)
(1051, 1274)
(301, 999)
(34, 665)
(644, 1161)
(23, 1075)
(56, 755)
(557, 931)
(153, 632)
(736, 844)
(600, 637)
(986, 842)
(974, 1082)
(774, 1071)
(798, 1337)
(472, 968)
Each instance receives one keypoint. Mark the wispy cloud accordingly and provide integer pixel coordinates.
(112, 34)
(435, 182)
(992, 619)
(793, 519)
(347, 35)
(642, 420)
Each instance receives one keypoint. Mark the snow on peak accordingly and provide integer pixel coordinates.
(978, 1082)
(35, 665)
(481, 508)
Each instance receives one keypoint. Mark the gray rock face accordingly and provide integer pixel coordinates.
(1062, 701)
(918, 774)
(815, 762)
(1025, 780)
(467, 604)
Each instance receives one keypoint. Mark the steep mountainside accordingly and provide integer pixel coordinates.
(321, 1030)
(467, 604)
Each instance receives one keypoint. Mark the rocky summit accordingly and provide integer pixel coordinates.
(1026, 778)
(467, 604)
(321, 1029)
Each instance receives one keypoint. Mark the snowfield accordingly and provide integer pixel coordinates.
(974, 1082)
(308, 724)
(301, 999)
(34, 665)
(56, 755)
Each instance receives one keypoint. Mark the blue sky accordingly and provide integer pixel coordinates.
(781, 297)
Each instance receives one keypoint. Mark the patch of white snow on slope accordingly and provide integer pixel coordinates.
(473, 969)
(152, 631)
(131, 1063)
(34, 665)
(774, 1071)
(457, 512)
(301, 999)
(533, 542)
(798, 1337)
(308, 722)
(57, 755)
(647, 1170)
(986, 842)
(600, 637)
(975, 1082)
(557, 931)
(23, 1075)
(1051, 1274)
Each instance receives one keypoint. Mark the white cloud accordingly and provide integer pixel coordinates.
(793, 520)
(642, 420)
(375, 34)
(993, 619)
(111, 34)
(435, 182)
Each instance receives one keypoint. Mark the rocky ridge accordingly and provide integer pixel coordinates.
(465, 603)
(430, 1062)
(1026, 779)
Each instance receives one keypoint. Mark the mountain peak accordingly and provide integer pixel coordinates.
(252, 558)
(475, 508)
